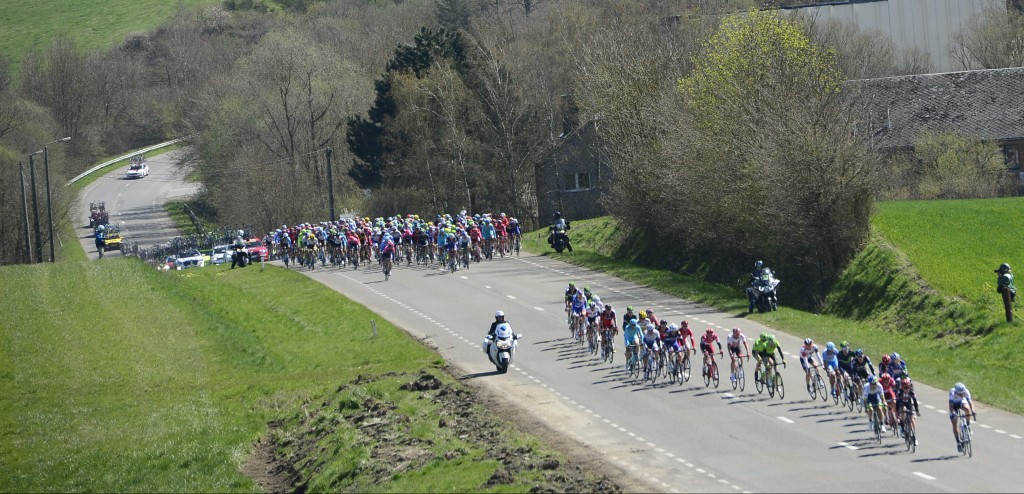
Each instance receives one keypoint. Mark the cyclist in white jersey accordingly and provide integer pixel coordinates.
(960, 397)
(809, 357)
(733, 342)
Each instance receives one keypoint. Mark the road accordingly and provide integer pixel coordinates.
(136, 206)
(675, 438)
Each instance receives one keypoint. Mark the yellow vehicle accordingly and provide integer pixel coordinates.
(112, 238)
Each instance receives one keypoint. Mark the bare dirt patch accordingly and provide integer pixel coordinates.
(288, 457)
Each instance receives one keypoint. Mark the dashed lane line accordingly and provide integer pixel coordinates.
(924, 476)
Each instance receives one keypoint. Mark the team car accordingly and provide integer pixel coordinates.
(188, 259)
(137, 167)
(220, 254)
(257, 250)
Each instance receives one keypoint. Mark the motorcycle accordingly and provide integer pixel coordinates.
(762, 292)
(501, 347)
(558, 239)
(241, 258)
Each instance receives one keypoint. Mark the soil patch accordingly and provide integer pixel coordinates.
(294, 451)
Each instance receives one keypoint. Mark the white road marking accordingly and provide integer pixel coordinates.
(463, 277)
(487, 286)
(1000, 431)
(848, 446)
(607, 421)
(659, 450)
(701, 470)
(728, 395)
(784, 419)
(538, 308)
(670, 455)
(924, 476)
(680, 460)
(986, 426)
(511, 297)
(651, 445)
(929, 407)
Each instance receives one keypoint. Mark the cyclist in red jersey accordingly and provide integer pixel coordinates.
(684, 333)
(705, 345)
(889, 392)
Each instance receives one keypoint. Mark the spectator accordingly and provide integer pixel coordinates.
(1004, 285)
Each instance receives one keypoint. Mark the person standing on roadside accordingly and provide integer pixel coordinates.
(1004, 285)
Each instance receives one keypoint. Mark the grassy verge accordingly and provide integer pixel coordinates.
(117, 377)
(938, 357)
(92, 177)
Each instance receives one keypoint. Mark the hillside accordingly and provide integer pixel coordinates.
(91, 25)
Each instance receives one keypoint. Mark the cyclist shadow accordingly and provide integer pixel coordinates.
(938, 458)
(372, 282)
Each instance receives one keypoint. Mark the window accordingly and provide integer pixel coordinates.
(577, 181)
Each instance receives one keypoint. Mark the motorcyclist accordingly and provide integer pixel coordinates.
(499, 319)
(756, 281)
(239, 247)
(558, 230)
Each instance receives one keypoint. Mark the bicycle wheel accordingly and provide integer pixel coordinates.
(758, 381)
(734, 378)
(770, 384)
(741, 377)
(714, 372)
(780, 389)
(910, 437)
(878, 430)
(812, 388)
(821, 387)
(706, 373)
(834, 392)
(655, 368)
(634, 366)
(686, 368)
(965, 437)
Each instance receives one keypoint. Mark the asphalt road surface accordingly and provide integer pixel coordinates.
(676, 438)
(137, 205)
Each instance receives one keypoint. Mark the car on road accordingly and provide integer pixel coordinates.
(137, 167)
(257, 250)
(220, 254)
(188, 259)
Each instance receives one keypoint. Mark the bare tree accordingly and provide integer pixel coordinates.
(994, 39)
(54, 79)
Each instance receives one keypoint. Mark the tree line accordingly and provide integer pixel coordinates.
(729, 134)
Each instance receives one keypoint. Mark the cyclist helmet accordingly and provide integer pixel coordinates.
(771, 337)
(872, 379)
(808, 342)
(859, 353)
(896, 357)
(684, 323)
(845, 344)
(758, 264)
(240, 233)
(650, 327)
(960, 388)
(886, 359)
(607, 306)
(633, 321)
(736, 331)
(586, 289)
(101, 228)
(763, 336)
(499, 314)
(643, 315)
(709, 332)
(906, 382)
(673, 327)
(597, 299)
(572, 284)
(830, 346)
(629, 308)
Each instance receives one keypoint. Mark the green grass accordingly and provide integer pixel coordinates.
(92, 25)
(92, 177)
(891, 293)
(119, 378)
(955, 245)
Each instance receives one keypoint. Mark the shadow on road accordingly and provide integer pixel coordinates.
(480, 374)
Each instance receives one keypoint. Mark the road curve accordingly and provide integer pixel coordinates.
(675, 438)
(136, 206)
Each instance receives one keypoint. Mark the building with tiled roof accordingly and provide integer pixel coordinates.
(986, 104)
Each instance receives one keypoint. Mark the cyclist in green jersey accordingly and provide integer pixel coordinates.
(765, 348)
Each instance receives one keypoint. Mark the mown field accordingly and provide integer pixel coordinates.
(92, 25)
(117, 377)
(943, 319)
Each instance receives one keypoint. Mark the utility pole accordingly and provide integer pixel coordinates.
(330, 184)
(49, 206)
(24, 202)
(35, 209)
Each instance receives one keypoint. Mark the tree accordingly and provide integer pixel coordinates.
(774, 144)
(55, 79)
(953, 166)
(993, 40)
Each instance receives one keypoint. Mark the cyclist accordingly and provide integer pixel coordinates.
(570, 293)
(101, 241)
(732, 342)
(577, 308)
(960, 399)
(765, 348)
(651, 343)
(809, 357)
(845, 357)
(387, 249)
(608, 327)
(873, 400)
(684, 333)
(889, 390)
(671, 343)
(632, 333)
(628, 315)
(830, 360)
(898, 364)
(705, 346)
(905, 398)
(861, 363)
(885, 366)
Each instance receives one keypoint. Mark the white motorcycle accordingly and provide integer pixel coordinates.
(501, 347)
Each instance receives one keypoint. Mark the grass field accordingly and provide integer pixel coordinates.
(92, 25)
(119, 378)
(937, 355)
